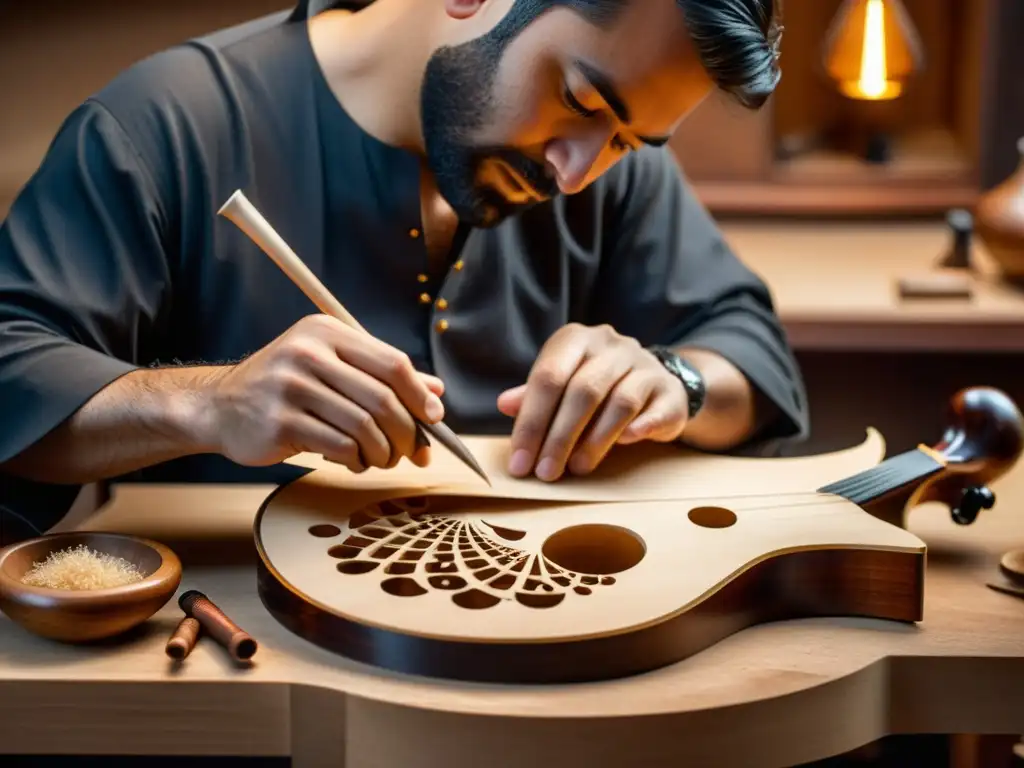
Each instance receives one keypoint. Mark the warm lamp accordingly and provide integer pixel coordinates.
(872, 50)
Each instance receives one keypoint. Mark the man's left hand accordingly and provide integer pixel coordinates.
(589, 389)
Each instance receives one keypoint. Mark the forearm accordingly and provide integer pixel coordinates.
(732, 409)
(143, 418)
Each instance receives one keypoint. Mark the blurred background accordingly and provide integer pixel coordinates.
(880, 193)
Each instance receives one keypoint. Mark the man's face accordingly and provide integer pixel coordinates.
(513, 116)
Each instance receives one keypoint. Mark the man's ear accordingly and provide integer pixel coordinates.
(463, 9)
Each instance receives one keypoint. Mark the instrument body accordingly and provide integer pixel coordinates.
(508, 586)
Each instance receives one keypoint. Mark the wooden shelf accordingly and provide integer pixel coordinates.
(769, 198)
(924, 156)
(928, 172)
(835, 288)
(945, 130)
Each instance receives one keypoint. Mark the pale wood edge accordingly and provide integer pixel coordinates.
(326, 471)
(983, 695)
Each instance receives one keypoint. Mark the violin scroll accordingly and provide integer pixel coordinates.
(983, 439)
(985, 432)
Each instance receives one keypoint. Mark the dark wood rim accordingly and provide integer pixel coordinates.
(870, 583)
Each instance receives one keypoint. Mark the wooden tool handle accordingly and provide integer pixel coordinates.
(239, 210)
(245, 216)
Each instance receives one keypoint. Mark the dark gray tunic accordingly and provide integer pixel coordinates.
(113, 256)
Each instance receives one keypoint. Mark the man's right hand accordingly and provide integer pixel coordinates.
(324, 388)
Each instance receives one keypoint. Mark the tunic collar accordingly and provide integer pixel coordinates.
(307, 9)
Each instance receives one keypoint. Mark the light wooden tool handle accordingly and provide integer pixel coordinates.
(245, 216)
(239, 210)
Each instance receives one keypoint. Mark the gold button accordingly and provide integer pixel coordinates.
(442, 326)
(414, 233)
(458, 265)
(422, 278)
(424, 298)
(441, 304)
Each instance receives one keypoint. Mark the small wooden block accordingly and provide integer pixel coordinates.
(938, 284)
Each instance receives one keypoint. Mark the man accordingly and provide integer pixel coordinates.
(483, 183)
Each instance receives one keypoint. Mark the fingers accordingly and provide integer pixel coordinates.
(307, 433)
(591, 389)
(373, 416)
(344, 415)
(370, 392)
(421, 457)
(585, 393)
(415, 390)
(433, 383)
(662, 422)
(510, 401)
(626, 401)
(544, 388)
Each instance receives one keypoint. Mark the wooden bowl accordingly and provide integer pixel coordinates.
(83, 615)
(1012, 566)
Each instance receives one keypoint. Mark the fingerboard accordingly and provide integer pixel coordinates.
(879, 480)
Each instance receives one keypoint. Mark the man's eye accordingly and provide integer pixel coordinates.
(574, 104)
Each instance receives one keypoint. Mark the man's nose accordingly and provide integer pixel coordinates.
(573, 158)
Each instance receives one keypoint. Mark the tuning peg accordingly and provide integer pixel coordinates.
(972, 501)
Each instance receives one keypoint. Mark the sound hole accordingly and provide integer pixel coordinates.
(325, 531)
(402, 587)
(594, 548)
(712, 517)
(509, 534)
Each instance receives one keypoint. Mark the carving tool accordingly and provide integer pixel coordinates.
(244, 215)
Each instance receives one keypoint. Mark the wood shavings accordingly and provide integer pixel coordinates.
(81, 568)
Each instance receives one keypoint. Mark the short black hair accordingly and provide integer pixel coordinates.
(738, 43)
(737, 40)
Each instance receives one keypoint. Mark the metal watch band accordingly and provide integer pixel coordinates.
(690, 377)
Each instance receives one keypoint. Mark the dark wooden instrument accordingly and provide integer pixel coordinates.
(498, 586)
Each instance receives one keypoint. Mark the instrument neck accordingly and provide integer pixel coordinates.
(905, 470)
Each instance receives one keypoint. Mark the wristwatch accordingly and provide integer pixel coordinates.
(690, 377)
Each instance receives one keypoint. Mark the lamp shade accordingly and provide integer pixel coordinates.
(872, 48)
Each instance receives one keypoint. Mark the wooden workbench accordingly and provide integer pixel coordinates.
(774, 695)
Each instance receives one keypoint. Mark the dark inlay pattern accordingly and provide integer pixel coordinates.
(414, 553)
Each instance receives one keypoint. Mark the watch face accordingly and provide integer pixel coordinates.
(695, 379)
(690, 378)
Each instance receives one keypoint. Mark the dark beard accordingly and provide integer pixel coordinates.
(456, 102)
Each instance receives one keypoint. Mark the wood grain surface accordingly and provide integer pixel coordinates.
(796, 691)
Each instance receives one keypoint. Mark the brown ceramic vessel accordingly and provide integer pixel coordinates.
(78, 616)
(999, 221)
